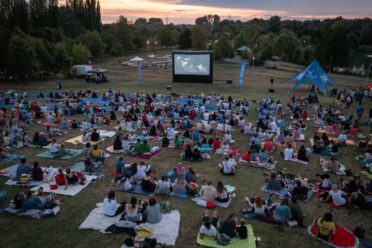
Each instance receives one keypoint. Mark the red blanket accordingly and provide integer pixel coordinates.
(341, 239)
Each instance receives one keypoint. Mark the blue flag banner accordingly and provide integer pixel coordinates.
(243, 64)
(139, 71)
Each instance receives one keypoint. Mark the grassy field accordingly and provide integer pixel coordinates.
(62, 231)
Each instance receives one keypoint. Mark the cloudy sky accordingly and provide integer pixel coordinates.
(185, 11)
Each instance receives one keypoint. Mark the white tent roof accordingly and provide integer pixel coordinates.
(244, 49)
(137, 59)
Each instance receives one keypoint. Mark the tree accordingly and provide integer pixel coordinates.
(184, 40)
(93, 41)
(21, 57)
(223, 48)
(61, 58)
(38, 13)
(139, 40)
(201, 20)
(274, 24)
(70, 24)
(124, 34)
(199, 38)
(334, 47)
(155, 22)
(286, 44)
(165, 36)
(116, 49)
(240, 40)
(42, 55)
(80, 54)
(140, 22)
(16, 12)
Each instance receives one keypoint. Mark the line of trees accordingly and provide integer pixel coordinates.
(39, 37)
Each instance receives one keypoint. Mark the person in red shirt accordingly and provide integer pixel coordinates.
(268, 146)
(192, 115)
(353, 131)
(216, 144)
(304, 115)
(60, 178)
(245, 158)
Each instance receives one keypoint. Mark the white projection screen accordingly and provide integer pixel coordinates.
(192, 66)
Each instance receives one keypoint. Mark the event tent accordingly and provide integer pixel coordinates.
(313, 74)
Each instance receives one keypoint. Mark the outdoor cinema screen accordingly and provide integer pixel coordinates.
(192, 67)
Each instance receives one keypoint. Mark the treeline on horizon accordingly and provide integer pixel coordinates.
(40, 37)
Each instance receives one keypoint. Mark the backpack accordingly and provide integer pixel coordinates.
(223, 240)
(166, 207)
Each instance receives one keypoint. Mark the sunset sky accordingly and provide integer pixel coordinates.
(185, 11)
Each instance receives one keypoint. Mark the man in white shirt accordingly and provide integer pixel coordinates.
(208, 192)
(288, 153)
(337, 196)
(227, 167)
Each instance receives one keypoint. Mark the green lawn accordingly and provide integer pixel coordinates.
(62, 231)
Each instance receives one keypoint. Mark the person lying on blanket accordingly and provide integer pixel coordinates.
(326, 228)
(27, 201)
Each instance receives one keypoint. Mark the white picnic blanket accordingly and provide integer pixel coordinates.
(106, 134)
(71, 190)
(165, 232)
(96, 220)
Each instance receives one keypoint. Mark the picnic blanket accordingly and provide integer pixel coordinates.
(78, 140)
(11, 172)
(348, 142)
(71, 153)
(220, 204)
(342, 238)
(71, 190)
(165, 232)
(285, 192)
(250, 242)
(262, 165)
(96, 100)
(145, 156)
(110, 149)
(298, 161)
(32, 213)
(137, 189)
(11, 157)
(96, 220)
(78, 167)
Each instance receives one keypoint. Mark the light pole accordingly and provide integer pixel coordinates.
(253, 59)
(369, 68)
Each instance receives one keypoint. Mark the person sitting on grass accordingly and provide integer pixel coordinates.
(273, 183)
(228, 226)
(241, 230)
(97, 154)
(336, 196)
(196, 154)
(221, 195)
(208, 192)
(178, 141)
(117, 146)
(132, 210)
(54, 147)
(40, 139)
(282, 213)
(94, 136)
(141, 148)
(179, 186)
(209, 226)
(333, 165)
(163, 186)
(149, 181)
(257, 207)
(110, 205)
(66, 179)
(227, 167)
(326, 228)
(37, 172)
(23, 168)
(301, 154)
(297, 213)
(152, 211)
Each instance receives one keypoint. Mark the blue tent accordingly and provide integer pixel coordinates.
(313, 74)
